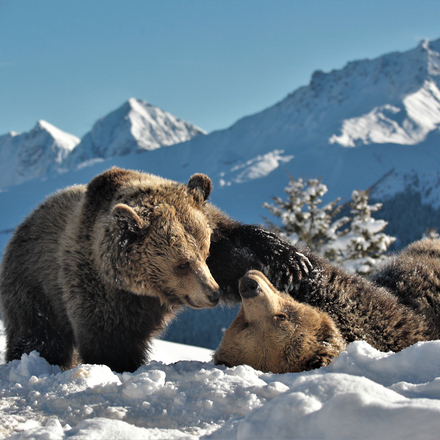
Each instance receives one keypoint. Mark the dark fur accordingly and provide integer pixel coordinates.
(69, 276)
(399, 306)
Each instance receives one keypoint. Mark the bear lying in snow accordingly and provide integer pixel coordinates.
(328, 308)
(273, 332)
(97, 270)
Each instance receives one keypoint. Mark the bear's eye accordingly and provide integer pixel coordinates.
(280, 317)
(184, 266)
(245, 326)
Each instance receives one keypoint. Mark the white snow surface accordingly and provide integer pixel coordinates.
(181, 394)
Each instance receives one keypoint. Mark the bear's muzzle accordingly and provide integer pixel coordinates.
(249, 288)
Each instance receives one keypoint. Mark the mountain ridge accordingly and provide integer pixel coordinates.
(349, 127)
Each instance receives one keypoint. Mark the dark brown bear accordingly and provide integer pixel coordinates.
(103, 267)
(399, 306)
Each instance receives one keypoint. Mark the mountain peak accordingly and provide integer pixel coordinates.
(35, 153)
(62, 139)
(43, 125)
(134, 127)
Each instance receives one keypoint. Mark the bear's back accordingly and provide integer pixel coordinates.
(414, 277)
(34, 246)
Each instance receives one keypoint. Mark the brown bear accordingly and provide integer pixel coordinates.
(97, 270)
(273, 332)
(397, 307)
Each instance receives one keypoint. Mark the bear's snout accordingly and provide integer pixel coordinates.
(249, 288)
(214, 297)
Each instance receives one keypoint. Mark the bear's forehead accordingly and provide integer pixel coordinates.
(177, 224)
(173, 194)
(265, 307)
(188, 217)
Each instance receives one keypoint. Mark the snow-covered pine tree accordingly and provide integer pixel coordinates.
(363, 245)
(356, 242)
(302, 218)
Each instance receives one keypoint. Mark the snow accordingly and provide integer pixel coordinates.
(181, 394)
(426, 184)
(409, 124)
(255, 168)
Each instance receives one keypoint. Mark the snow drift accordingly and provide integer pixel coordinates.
(181, 394)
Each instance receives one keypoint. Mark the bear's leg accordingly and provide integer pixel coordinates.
(55, 348)
(117, 330)
(118, 350)
(31, 324)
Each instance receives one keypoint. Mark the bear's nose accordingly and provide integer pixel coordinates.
(215, 296)
(249, 288)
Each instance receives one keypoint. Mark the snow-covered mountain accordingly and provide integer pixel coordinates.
(33, 154)
(354, 127)
(134, 127)
(391, 99)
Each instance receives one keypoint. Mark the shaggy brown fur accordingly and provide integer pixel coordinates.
(398, 307)
(273, 332)
(103, 267)
(414, 277)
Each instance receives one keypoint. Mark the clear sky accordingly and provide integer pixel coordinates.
(71, 62)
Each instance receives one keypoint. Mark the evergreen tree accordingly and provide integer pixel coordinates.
(364, 244)
(302, 218)
(356, 242)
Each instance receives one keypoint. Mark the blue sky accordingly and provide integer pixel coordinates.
(208, 62)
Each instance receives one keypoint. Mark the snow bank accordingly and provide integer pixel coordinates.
(363, 394)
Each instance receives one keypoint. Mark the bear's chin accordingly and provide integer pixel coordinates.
(206, 304)
(191, 303)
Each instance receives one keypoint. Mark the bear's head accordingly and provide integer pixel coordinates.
(274, 333)
(151, 236)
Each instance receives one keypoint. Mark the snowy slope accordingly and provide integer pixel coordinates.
(134, 127)
(33, 154)
(363, 394)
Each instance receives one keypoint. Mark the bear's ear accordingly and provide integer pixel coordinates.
(103, 186)
(101, 190)
(200, 186)
(129, 223)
